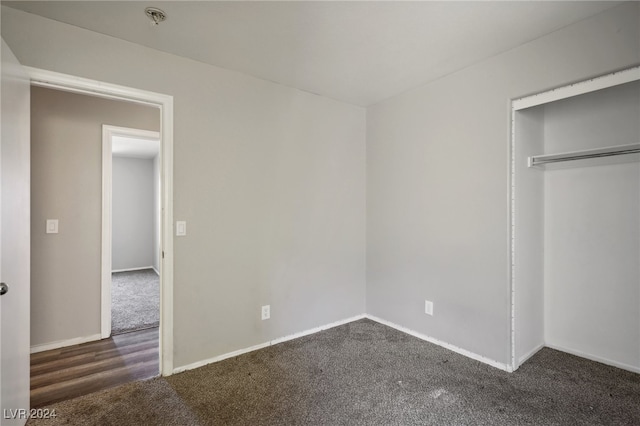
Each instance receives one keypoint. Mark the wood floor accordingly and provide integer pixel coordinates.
(66, 373)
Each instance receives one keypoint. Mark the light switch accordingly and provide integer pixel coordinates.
(52, 226)
(181, 228)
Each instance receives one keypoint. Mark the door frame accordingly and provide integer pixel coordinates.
(108, 132)
(69, 83)
(579, 88)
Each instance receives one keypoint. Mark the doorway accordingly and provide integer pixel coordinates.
(131, 220)
(66, 189)
(164, 103)
(158, 340)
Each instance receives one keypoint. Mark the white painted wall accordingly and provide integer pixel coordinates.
(437, 182)
(592, 229)
(133, 213)
(271, 182)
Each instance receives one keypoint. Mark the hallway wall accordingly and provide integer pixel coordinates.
(66, 184)
(134, 213)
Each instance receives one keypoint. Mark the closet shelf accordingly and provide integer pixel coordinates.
(539, 160)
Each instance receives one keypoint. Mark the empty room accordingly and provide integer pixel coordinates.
(319, 212)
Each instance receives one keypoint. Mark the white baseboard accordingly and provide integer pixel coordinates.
(134, 269)
(606, 361)
(317, 329)
(219, 358)
(64, 343)
(529, 354)
(155, 270)
(468, 354)
(265, 344)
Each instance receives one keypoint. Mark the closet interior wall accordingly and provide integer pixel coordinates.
(577, 227)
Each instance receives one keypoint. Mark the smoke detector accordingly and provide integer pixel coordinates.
(156, 15)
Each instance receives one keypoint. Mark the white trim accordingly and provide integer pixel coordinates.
(606, 361)
(75, 84)
(219, 358)
(464, 352)
(166, 238)
(155, 270)
(132, 133)
(317, 329)
(64, 343)
(134, 269)
(529, 354)
(69, 83)
(602, 82)
(580, 88)
(105, 275)
(222, 357)
(511, 243)
(468, 354)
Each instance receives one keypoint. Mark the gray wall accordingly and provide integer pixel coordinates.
(437, 182)
(272, 184)
(133, 213)
(592, 228)
(270, 180)
(66, 184)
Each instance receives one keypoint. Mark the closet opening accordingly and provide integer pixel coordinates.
(575, 221)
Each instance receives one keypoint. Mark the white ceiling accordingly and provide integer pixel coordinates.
(133, 147)
(359, 52)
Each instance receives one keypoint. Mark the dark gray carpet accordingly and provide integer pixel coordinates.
(135, 300)
(365, 373)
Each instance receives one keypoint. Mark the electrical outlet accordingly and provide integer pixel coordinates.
(428, 307)
(266, 312)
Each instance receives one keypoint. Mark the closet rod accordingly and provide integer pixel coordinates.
(538, 160)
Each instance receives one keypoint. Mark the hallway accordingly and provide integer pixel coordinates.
(65, 373)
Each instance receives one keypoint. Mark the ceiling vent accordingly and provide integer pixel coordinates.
(156, 15)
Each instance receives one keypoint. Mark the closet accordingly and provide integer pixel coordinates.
(575, 221)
